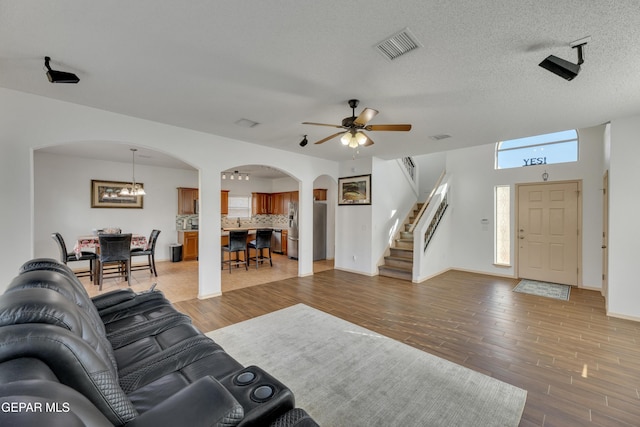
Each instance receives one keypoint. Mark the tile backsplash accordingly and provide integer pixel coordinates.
(277, 221)
(280, 221)
(180, 221)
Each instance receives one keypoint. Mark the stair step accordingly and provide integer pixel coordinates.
(406, 235)
(402, 252)
(395, 273)
(398, 262)
(404, 243)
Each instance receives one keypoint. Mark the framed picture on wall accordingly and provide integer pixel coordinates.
(106, 194)
(354, 190)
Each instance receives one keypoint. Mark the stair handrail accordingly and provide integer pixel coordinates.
(426, 203)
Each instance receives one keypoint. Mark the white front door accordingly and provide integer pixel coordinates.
(547, 232)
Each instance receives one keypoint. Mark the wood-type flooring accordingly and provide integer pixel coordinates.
(579, 366)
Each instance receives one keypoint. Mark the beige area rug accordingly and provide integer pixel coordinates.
(543, 289)
(346, 375)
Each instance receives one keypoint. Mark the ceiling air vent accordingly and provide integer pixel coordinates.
(246, 123)
(398, 44)
(439, 137)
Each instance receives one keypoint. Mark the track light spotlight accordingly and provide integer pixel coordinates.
(59, 76)
(565, 69)
(304, 141)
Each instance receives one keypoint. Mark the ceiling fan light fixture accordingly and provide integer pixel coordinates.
(346, 138)
(361, 138)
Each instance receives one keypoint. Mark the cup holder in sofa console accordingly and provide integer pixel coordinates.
(260, 394)
(244, 378)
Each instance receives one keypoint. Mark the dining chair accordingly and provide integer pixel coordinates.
(66, 257)
(259, 244)
(237, 244)
(150, 252)
(115, 249)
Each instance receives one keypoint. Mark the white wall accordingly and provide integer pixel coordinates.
(364, 232)
(63, 201)
(474, 179)
(353, 226)
(393, 198)
(438, 256)
(429, 168)
(624, 227)
(29, 122)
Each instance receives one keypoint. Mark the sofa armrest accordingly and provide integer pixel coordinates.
(294, 418)
(112, 298)
(203, 403)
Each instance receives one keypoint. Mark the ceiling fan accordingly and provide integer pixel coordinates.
(354, 137)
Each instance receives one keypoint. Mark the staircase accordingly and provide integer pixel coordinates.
(399, 263)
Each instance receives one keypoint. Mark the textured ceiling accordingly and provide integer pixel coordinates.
(204, 65)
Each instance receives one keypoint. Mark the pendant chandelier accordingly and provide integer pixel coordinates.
(133, 189)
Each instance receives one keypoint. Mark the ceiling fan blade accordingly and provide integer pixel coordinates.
(364, 117)
(368, 142)
(329, 137)
(322, 124)
(399, 127)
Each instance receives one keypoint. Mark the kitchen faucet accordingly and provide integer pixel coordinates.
(239, 225)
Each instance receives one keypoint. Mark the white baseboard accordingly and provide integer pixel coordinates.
(623, 316)
(354, 271)
(216, 294)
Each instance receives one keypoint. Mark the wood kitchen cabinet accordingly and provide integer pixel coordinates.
(285, 234)
(261, 203)
(319, 194)
(277, 203)
(224, 202)
(187, 199)
(189, 241)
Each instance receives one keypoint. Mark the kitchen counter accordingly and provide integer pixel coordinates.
(251, 230)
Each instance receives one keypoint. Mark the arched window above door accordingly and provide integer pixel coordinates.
(550, 148)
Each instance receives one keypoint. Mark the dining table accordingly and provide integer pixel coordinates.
(91, 243)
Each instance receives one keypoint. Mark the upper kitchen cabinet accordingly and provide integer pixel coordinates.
(224, 202)
(188, 201)
(261, 203)
(319, 194)
(277, 203)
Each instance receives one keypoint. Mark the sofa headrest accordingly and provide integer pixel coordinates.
(73, 362)
(61, 283)
(39, 305)
(46, 306)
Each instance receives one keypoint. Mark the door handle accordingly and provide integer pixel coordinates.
(604, 246)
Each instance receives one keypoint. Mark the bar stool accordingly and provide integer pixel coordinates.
(237, 244)
(261, 242)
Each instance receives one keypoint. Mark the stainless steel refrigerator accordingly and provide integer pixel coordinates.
(319, 231)
(292, 236)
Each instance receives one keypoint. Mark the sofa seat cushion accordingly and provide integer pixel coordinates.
(151, 347)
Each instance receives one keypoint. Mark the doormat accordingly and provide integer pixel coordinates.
(543, 289)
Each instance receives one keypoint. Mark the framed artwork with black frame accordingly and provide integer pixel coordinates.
(106, 194)
(354, 190)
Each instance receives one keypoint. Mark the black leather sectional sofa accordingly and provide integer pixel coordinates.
(121, 359)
